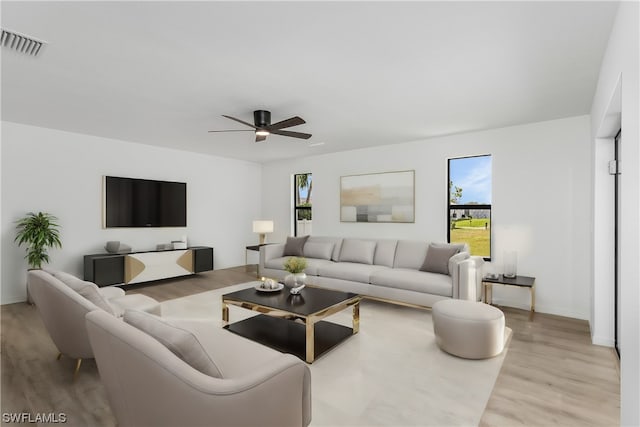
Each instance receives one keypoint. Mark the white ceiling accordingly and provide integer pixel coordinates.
(360, 73)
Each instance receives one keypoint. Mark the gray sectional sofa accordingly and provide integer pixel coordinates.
(395, 270)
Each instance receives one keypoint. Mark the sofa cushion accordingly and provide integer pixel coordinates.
(91, 292)
(385, 252)
(360, 251)
(312, 264)
(68, 279)
(181, 342)
(355, 272)
(437, 259)
(319, 250)
(410, 254)
(276, 263)
(414, 280)
(233, 355)
(337, 244)
(294, 246)
(111, 292)
(88, 290)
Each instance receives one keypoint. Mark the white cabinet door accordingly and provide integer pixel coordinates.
(147, 266)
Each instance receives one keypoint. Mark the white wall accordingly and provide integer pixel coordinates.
(541, 201)
(620, 62)
(61, 173)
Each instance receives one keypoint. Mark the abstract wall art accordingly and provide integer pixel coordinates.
(378, 197)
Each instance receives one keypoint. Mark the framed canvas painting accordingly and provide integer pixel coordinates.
(378, 197)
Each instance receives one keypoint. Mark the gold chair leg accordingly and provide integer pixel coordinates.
(75, 373)
(59, 356)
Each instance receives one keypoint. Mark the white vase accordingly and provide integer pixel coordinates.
(295, 282)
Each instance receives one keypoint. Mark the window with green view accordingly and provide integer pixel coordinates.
(303, 184)
(469, 213)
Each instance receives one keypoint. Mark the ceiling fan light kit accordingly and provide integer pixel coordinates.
(263, 127)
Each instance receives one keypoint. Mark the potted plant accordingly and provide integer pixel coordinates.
(295, 280)
(39, 232)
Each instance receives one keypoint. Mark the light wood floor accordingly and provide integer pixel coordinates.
(551, 375)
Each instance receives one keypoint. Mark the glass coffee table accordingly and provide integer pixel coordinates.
(293, 323)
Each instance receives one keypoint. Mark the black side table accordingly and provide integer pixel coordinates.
(255, 248)
(519, 281)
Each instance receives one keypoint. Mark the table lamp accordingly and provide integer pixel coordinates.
(262, 227)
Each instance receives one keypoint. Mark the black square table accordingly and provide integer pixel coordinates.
(292, 323)
(519, 281)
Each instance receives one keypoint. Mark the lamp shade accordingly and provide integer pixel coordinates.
(262, 226)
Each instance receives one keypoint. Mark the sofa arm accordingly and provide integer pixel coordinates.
(269, 252)
(469, 283)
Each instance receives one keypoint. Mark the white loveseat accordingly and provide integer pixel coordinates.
(381, 268)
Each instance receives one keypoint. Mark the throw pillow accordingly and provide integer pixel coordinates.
(360, 251)
(68, 279)
(318, 250)
(181, 342)
(90, 291)
(294, 246)
(437, 259)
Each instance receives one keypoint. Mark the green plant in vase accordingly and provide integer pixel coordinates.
(38, 232)
(295, 280)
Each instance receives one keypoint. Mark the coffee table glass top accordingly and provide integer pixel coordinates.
(308, 302)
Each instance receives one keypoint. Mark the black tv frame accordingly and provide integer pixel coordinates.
(151, 212)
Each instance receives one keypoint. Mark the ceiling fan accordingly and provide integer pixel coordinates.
(263, 127)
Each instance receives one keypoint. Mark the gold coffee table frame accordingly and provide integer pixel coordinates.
(309, 320)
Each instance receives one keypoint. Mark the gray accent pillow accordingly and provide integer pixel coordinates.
(437, 259)
(181, 342)
(360, 251)
(318, 250)
(294, 246)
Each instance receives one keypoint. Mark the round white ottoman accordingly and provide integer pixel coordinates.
(468, 329)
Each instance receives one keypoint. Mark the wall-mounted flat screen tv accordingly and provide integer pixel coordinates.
(131, 202)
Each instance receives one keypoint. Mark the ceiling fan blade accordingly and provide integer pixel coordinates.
(291, 134)
(260, 138)
(233, 130)
(293, 121)
(240, 121)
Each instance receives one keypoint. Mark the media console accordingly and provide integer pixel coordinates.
(138, 267)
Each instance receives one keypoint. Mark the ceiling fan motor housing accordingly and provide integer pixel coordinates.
(261, 118)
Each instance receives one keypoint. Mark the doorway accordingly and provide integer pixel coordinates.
(616, 242)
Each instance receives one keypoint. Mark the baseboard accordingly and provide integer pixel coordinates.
(600, 340)
(12, 299)
(542, 308)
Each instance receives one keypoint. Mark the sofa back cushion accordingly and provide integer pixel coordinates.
(68, 279)
(337, 244)
(410, 254)
(88, 290)
(318, 250)
(385, 252)
(359, 251)
(181, 342)
(294, 246)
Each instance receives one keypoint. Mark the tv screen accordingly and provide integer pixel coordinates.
(131, 202)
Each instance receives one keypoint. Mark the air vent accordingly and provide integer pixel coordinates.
(20, 43)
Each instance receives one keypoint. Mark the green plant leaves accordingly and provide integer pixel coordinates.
(39, 232)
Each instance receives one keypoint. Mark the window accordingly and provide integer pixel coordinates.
(469, 207)
(302, 186)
